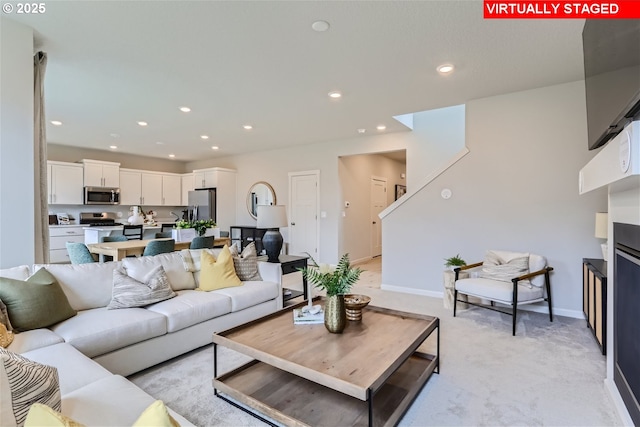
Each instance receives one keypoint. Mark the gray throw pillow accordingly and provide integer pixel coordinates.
(128, 292)
(497, 269)
(36, 303)
(246, 263)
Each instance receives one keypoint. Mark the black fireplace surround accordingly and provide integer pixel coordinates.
(626, 316)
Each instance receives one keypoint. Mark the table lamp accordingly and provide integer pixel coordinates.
(272, 217)
(602, 231)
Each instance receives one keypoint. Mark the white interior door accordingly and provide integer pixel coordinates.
(378, 204)
(303, 213)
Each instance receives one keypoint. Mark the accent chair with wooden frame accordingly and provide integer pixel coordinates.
(491, 280)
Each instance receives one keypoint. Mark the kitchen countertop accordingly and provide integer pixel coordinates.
(120, 227)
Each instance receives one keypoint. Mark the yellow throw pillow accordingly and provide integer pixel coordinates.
(43, 416)
(6, 337)
(217, 274)
(156, 415)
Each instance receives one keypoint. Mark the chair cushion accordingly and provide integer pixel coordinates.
(35, 303)
(98, 331)
(24, 382)
(179, 278)
(496, 290)
(129, 292)
(191, 307)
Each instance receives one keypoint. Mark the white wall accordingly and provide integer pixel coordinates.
(355, 174)
(17, 214)
(436, 137)
(515, 190)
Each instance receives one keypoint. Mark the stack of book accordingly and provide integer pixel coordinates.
(306, 317)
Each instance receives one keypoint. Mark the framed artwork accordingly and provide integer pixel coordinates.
(400, 190)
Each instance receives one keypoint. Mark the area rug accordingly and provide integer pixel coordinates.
(550, 374)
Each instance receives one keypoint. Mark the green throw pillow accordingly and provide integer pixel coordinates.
(35, 303)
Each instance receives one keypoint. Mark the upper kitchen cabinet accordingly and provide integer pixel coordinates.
(101, 174)
(65, 183)
(212, 178)
(188, 184)
(149, 188)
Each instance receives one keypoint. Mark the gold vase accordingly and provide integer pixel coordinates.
(335, 317)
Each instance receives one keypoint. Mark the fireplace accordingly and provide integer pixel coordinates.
(626, 320)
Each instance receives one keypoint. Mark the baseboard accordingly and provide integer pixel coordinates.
(621, 409)
(576, 314)
(361, 260)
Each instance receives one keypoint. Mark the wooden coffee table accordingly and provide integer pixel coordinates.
(303, 375)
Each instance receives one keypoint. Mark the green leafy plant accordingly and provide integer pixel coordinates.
(454, 261)
(200, 225)
(335, 281)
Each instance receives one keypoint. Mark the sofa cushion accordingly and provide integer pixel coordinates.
(129, 292)
(497, 291)
(24, 382)
(36, 338)
(111, 401)
(86, 285)
(35, 303)
(191, 307)
(246, 263)
(179, 278)
(98, 331)
(218, 273)
(19, 273)
(75, 370)
(252, 293)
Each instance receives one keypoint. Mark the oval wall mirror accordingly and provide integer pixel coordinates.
(260, 193)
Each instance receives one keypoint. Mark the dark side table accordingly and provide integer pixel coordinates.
(292, 264)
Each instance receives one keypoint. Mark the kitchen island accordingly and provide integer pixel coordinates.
(93, 234)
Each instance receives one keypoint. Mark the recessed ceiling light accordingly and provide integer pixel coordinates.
(381, 127)
(204, 136)
(320, 26)
(247, 127)
(185, 109)
(335, 94)
(143, 123)
(445, 69)
(215, 147)
(56, 122)
(362, 130)
(113, 147)
(159, 142)
(114, 135)
(172, 155)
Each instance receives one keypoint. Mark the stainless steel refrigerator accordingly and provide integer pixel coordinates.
(202, 204)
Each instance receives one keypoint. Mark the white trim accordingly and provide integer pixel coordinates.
(371, 180)
(409, 194)
(315, 172)
(577, 314)
(618, 403)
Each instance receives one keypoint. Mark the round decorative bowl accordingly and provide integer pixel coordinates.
(354, 304)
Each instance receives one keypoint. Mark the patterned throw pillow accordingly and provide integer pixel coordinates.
(246, 263)
(496, 268)
(128, 292)
(4, 316)
(24, 382)
(218, 273)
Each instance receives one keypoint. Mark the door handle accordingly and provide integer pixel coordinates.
(293, 223)
(374, 222)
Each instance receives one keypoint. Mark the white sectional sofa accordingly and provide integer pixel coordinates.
(95, 349)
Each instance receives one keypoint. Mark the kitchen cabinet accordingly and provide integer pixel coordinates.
(58, 238)
(149, 188)
(224, 181)
(188, 184)
(594, 298)
(101, 174)
(65, 183)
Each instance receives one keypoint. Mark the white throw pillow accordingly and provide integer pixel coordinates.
(129, 292)
(496, 267)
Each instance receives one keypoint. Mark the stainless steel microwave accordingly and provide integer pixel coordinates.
(101, 196)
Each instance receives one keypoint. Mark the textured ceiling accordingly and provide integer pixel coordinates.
(113, 63)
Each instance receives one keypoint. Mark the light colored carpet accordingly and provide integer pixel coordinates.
(550, 374)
